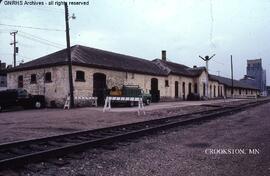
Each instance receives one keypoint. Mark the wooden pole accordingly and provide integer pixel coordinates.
(69, 58)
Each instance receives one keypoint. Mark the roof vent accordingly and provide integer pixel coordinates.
(163, 55)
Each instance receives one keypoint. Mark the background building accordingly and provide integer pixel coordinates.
(256, 75)
(3, 76)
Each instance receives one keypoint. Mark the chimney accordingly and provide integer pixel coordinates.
(9, 66)
(163, 55)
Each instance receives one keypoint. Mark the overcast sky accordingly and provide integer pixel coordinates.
(185, 28)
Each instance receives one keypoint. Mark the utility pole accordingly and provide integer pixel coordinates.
(71, 88)
(15, 51)
(207, 59)
(232, 75)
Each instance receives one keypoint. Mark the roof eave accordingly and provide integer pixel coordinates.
(35, 67)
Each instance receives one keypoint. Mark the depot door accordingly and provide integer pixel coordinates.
(176, 89)
(154, 90)
(99, 87)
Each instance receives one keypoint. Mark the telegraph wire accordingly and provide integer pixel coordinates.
(39, 38)
(54, 10)
(35, 37)
(40, 41)
(219, 62)
(30, 27)
(21, 56)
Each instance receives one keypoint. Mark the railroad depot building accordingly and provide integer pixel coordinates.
(95, 71)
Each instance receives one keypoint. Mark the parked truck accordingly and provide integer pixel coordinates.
(20, 97)
(130, 91)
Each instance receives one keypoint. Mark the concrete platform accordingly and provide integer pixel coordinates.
(28, 124)
(165, 105)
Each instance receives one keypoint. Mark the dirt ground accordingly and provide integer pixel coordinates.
(28, 124)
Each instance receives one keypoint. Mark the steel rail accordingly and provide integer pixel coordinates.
(16, 154)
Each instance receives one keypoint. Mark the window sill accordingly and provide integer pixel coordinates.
(80, 80)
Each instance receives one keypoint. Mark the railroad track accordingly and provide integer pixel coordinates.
(16, 154)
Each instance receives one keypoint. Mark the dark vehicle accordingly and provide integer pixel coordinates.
(193, 97)
(20, 97)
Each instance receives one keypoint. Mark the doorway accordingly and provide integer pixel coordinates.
(184, 90)
(176, 89)
(99, 87)
(155, 94)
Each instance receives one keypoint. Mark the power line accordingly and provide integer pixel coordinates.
(219, 62)
(30, 27)
(39, 38)
(47, 9)
(24, 57)
(6, 53)
(40, 41)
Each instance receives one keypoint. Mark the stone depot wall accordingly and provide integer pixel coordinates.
(58, 89)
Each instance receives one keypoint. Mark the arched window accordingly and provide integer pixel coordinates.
(184, 90)
(48, 77)
(221, 91)
(195, 88)
(189, 88)
(214, 90)
(204, 89)
(80, 76)
(211, 91)
(20, 81)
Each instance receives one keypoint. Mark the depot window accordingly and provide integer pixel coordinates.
(80, 76)
(166, 83)
(20, 81)
(33, 79)
(48, 77)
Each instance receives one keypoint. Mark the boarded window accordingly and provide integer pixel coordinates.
(48, 77)
(20, 81)
(80, 76)
(33, 79)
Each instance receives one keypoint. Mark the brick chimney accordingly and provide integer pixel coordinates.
(163, 55)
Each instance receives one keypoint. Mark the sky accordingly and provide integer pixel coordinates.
(184, 28)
